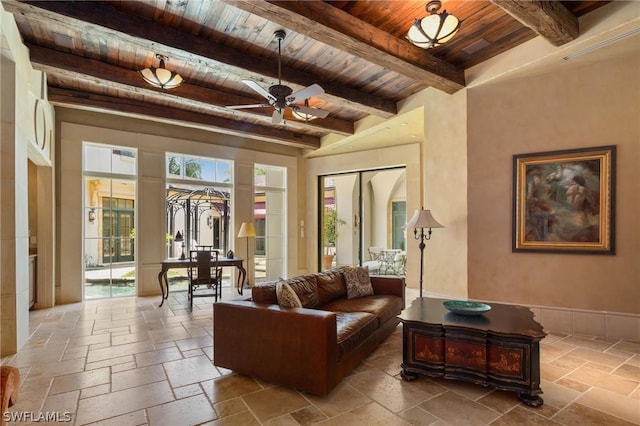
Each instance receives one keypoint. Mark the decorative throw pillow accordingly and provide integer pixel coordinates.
(358, 283)
(287, 298)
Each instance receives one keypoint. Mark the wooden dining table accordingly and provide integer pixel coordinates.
(177, 263)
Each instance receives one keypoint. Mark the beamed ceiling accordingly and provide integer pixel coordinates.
(356, 50)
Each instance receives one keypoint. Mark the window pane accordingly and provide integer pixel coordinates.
(208, 170)
(223, 171)
(123, 161)
(174, 165)
(271, 176)
(193, 168)
(97, 158)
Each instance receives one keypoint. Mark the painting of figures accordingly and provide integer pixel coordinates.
(563, 201)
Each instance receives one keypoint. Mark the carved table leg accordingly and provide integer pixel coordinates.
(241, 278)
(163, 281)
(531, 400)
(407, 375)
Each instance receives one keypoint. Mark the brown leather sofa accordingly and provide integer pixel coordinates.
(309, 348)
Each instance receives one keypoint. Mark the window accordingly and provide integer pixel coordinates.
(361, 211)
(270, 183)
(198, 206)
(109, 220)
(199, 168)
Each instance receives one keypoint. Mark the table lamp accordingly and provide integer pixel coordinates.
(180, 239)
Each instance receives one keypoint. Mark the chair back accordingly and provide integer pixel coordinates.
(204, 265)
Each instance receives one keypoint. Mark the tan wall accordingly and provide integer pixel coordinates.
(575, 107)
(23, 107)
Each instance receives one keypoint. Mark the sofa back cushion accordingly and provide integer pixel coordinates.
(306, 287)
(287, 298)
(264, 293)
(330, 285)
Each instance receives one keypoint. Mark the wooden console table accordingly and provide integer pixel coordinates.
(499, 348)
(185, 263)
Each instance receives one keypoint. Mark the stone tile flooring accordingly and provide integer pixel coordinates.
(128, 362)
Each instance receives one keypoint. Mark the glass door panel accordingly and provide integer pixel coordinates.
(109, 268)
(270, 218)
(362, 213)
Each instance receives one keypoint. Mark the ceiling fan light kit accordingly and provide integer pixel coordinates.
(300, 115)
(161, 77)
(435, 29)
(280, 96)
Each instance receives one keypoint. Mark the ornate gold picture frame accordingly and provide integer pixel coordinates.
(563, 201)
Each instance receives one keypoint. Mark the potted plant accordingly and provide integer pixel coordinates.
(330, 227)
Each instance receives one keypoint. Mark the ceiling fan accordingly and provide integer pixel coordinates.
(280, 96)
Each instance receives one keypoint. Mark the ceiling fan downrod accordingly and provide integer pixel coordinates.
(279, 35)
(279, 91)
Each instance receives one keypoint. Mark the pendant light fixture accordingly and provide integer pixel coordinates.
(161, 77)
(435, 29)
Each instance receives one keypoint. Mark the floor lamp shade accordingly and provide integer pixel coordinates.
(247, 230)
(423, 219)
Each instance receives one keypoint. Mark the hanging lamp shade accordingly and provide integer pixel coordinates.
(161, 77)
(303, 115)
(435, 29)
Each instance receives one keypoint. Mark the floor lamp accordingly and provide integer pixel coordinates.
(247, 230)
(422, 219)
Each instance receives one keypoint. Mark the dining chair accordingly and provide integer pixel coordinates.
(205, 274)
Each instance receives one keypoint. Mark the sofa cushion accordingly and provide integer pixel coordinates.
(264, 293)
(287, 298)
(384, 307)
(306, 288)
(357, 281)
(330, 285)
(352, 329)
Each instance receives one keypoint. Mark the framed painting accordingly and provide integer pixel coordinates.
(563, 201)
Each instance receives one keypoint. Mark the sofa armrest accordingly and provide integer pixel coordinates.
(389, 285)
(296, 347)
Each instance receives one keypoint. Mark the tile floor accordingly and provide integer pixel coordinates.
(128, 362)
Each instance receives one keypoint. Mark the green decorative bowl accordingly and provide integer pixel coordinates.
(463, 307)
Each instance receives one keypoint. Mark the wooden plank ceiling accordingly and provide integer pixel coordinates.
(356, 50)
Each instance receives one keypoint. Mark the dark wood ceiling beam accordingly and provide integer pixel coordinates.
(110, 23)
(67, 97)
(550, 19)
(60, 63)
(330, 25)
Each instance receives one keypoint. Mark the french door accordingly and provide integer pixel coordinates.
(117, 244)
(110, 174)
(358, 211)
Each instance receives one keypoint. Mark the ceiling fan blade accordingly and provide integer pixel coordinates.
(311, 111)
(255, 86)
(306, 93)
(248, 106)
(276, 118)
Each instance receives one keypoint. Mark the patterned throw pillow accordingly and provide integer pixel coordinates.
(287, 298)
(357, 281)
